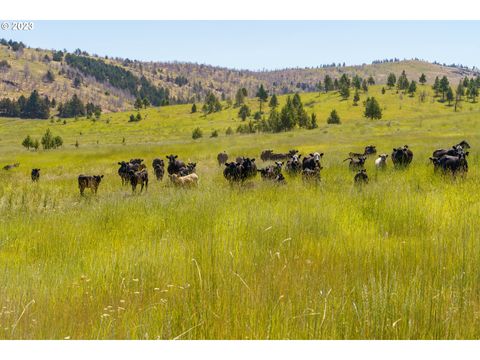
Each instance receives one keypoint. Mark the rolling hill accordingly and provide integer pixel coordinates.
(114, 83)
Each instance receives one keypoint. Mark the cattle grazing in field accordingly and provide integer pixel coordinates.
(356, 163)
(271, 172)
(35, 174)
(454, 151)
(123, 171)
(241, 170)
(451, 163)
(89, 182)
(232, 171)
(174, 165)
(222, 158)
(187, 170)
(11, 166)
(158, 168)
(361, 177)
(381, 162)
(294, 166)
(187, 180)
(312, 161)
(138, 177)
(402, 156)
(270, 155)
(137, 164)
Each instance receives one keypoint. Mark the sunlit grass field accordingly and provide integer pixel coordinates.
(395, 259)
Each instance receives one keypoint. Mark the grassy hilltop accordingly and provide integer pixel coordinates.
(396, 259)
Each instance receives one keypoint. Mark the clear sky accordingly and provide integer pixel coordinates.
(263, 44)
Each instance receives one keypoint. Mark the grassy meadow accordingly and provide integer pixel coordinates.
(395, 259)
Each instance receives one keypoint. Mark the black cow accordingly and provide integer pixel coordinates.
(89, 182)
(158, 168)
(454, 151)
(370, 150)
(453, 164)
(35, 174)
(232, 171)
(312, 162)
(174, 165)
(402, 156)
(139, 177)
(356, 163)
(361, 177)
(249, 168)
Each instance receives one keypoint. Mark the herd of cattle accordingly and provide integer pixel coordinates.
(134, 172)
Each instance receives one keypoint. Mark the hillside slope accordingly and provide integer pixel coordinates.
(182, 82)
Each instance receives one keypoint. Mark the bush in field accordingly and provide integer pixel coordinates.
(214, 134)
(51, 142)
(197, 133)
(229, 131)
(333, 118)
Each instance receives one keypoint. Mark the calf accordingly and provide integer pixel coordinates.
(361, 177)
(381, 162)
(271, 172)
(294, 166)
(158, 168)
(35, 174)
(188, 180)
(356, 163)
(139, 177)
(311, 174)
(9, 167)
(89, 182)
(187, 170)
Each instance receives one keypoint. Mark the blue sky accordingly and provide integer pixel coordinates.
(263, 44)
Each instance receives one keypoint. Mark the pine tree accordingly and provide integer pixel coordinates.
(436, 86)
(423, 79)
(402, 82)
(412, 88)
(328, 83)
(333, 118)
(240, 97)
(138, 104)
(444, 86)
(244, 112)
(371, 80)
(356, 98)
(273, 102)
(449, 94)
(372, 109)
(391, 80)
(27, 142)
(364, 86)
(194, 108)
(262, 96)
(344, 91)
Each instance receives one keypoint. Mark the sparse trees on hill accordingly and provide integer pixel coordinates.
(51, 142)
(344, 91)
(364, 85)
(372, 109)
(49, 77)
(240, 97)
(371, 80)
(357, 82)
(212, 104)
(72, 108)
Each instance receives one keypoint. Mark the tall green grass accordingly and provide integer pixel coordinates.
(395, 259)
